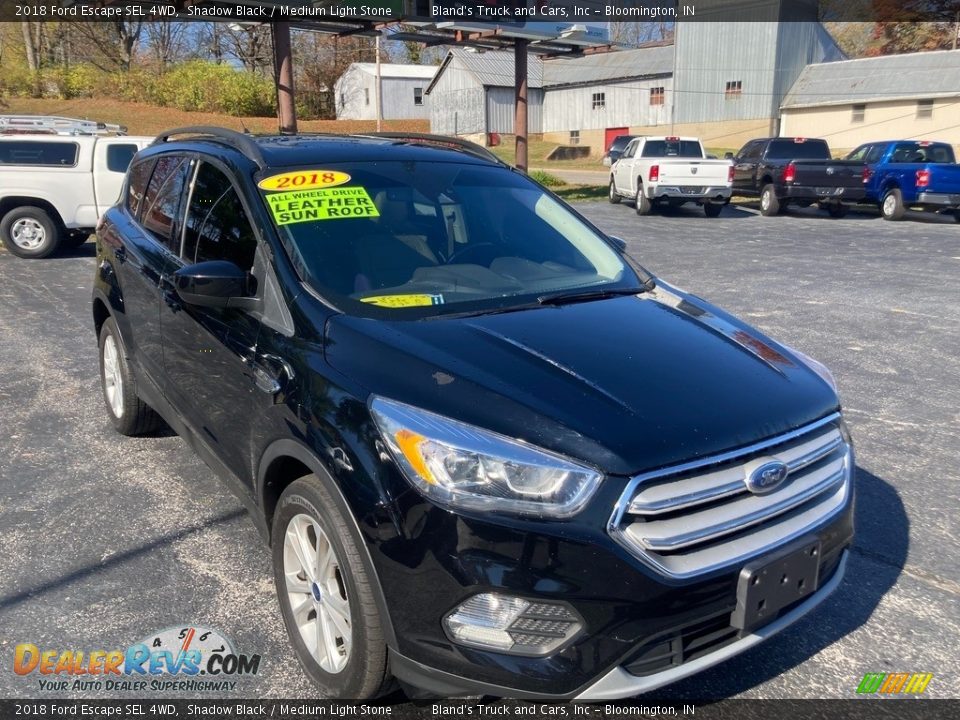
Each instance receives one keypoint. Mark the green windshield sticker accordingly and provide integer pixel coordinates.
(321, 204)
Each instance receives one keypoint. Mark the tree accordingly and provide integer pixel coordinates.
(250, 43)
(165, 42)
(109, 46)
(634, 34)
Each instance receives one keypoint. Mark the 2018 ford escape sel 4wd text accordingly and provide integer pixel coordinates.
(493, 455)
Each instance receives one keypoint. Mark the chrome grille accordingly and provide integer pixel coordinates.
(692, 519)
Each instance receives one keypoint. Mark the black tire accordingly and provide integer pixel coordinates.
(21, 227)
(132, 416)
(614, 196)
(365, 674)
(74, 239)
(837, 210)
(769, 203)
(644, 206)
(712, 210)
(891, 206)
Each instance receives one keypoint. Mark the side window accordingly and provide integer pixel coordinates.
(631, 149)
(31, 152)
(875, 153)
(161, 204)
(217, 226)
(860, 154)
(119, 157)
(137, 184)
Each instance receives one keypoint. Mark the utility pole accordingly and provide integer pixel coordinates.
(520, 114)
(379, 90)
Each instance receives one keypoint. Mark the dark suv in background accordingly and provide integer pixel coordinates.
(493, 454)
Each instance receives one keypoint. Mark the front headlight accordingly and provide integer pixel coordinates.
(461, 466)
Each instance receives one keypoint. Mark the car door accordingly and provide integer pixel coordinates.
(622, 172)
(140, 239)
(745, 166)
(209, 353)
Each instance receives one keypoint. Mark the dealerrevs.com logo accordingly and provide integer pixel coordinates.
(177, 659)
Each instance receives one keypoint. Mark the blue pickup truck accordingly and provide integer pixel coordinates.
(910, 174)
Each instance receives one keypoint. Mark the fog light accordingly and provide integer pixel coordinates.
(512, 625)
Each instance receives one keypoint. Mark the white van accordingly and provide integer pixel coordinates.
(54, 188)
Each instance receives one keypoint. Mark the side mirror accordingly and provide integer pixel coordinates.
(215, 283)
(618, 243)
(728, 156)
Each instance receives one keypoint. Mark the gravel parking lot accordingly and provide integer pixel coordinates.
(108, 539)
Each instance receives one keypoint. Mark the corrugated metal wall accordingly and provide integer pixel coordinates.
(398, 99)
(711, 54)
(501, 109)
(350, 94)
(625, 104)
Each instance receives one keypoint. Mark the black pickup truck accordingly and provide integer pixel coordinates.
(798, 171)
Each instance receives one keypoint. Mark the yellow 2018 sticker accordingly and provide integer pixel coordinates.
(401, 301)
(304, 180)
(321, 204)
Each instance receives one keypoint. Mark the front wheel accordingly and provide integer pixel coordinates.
(769, 203)
(325, 594)
(614, 196)
(129, 414)
(892, 207)
(29, 232)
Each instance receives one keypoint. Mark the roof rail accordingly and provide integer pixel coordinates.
(55, 125)
(451, 143)
(239, 141)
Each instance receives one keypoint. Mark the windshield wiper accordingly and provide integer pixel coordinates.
(566, 298)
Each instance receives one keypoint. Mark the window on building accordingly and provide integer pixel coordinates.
(418, 96)
(858, 114)
(734, 89)
(599, 100)
(574, 137)
(366, 96)
(657, 96)
(924, 109)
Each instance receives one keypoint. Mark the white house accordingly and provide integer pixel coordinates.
(402, 88)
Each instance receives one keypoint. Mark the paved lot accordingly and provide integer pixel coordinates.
(107, 539)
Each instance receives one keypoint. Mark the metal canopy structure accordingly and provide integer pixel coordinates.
(541, 38)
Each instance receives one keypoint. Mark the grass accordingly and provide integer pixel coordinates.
(547, 179)
(575, 193)
(537, 155)
(141, 119)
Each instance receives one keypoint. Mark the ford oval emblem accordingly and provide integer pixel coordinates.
(766, 477)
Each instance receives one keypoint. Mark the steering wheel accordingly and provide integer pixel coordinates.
(467, 250)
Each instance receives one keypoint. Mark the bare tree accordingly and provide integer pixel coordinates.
(109, 46)
(638, 33)
(31, 42)
(251, 44)
(165, 42)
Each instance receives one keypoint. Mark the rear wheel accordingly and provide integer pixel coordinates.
(712, 210)
(769, 204)
(325, 594)
(129, 414)
(614, 196)
(892, 207)
(30, 232)
(644, 206)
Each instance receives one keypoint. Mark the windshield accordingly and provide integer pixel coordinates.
(407, 239)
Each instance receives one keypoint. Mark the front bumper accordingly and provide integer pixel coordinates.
(689, 193)
(812, 194)
(631, 613)
(943, 201)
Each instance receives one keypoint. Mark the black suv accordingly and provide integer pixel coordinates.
(493, 455)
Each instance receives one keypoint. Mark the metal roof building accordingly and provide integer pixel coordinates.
(913, 97)
(402, 89)
(879, 79)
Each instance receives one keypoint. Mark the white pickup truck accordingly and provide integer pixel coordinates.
(53, 188)
(673, 171)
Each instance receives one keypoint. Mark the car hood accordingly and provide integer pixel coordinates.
(628, 384)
